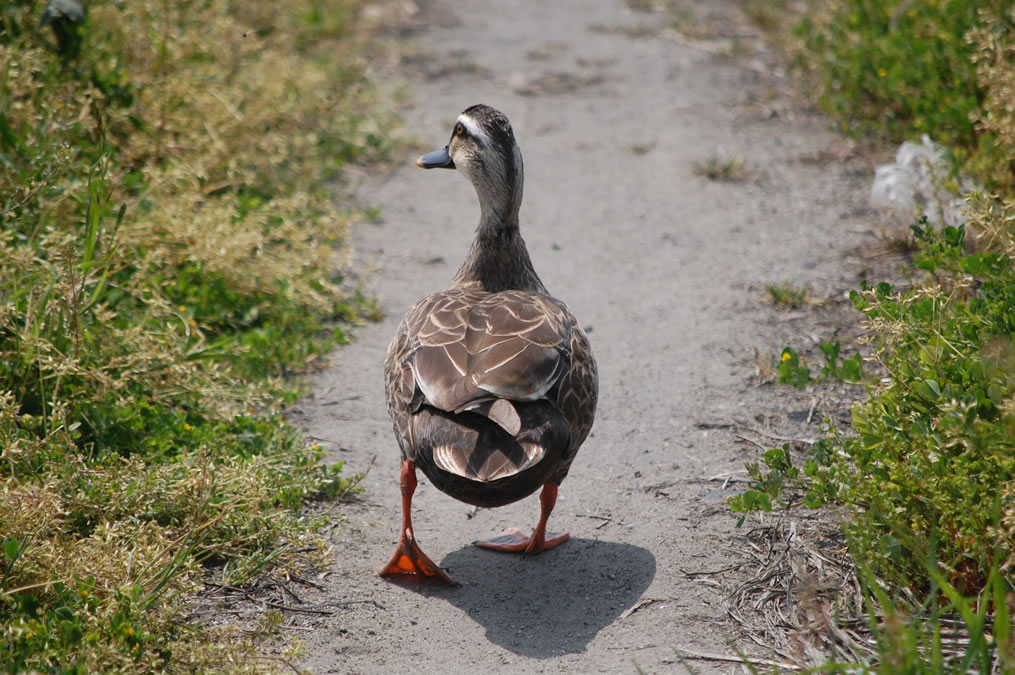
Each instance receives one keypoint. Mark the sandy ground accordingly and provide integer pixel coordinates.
(664, 267)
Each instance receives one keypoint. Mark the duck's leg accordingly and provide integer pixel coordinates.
(408, 558)
(513, 541)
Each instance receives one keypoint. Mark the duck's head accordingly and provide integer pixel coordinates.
(483, 147)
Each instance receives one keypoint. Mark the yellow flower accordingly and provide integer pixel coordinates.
(129, 630)
(186, 427)
(182, 308)
(882, 72)
(786, 356)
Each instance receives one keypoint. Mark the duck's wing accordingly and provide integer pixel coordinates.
(475, 346)
(467, 350)
(578, 395)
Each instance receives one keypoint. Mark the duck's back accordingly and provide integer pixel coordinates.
(491, 394)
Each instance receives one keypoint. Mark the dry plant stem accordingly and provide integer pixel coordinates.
(687, 653)
(802, 602)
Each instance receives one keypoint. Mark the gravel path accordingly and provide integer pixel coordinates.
(667, 270)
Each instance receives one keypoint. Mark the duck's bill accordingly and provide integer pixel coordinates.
(438, 159)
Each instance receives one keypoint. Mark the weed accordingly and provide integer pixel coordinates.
(786, 295)
(896, 68)
(947, 632)
(899, 69)
(792, 369)
(994, 58)
(167, 250)
(770, 486)
(721, 168)
(934, 439)
(767, 14)
(933, 444)
(926, 471)
(850, 370)
(641, 148)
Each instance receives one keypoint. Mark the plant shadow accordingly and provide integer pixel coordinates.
(549, 604)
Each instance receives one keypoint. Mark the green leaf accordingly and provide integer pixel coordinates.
(929, 390)
(751, 500)
(831, 350)
(790, 370)
(778, 459)
(954, 236)
(891, 546)
(10, 139)
(852, 368)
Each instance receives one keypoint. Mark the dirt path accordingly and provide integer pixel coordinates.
(666, 268)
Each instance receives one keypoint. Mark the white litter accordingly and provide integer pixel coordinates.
(915, 185)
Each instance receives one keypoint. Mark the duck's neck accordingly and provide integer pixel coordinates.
(498, 259)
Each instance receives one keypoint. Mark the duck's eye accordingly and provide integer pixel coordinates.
(459, 129)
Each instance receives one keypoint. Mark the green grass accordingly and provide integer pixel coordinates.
(926, 474)
(934, 444)
(946, 633)
(715, 167)
(893, 70)
(897, 68)
(791, 368)
(167, 259)
(786, 295)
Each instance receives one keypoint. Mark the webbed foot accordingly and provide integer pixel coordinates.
(408, 559)
(515, 541)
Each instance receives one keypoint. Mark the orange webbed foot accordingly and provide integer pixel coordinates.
(514, 541)
(409, 560)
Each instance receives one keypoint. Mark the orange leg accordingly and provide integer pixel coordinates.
(513, 541)
(408, 559)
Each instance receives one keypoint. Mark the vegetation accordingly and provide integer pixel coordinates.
(167, 256)
(721, 168)
(947, 633)
(935, 444)
(786, 295)
(895, 68)
(792, 369)
(898, 69)
(927, 473)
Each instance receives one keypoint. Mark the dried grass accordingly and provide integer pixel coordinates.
(168, 246)
(994, 57)
(802, 597)
(800, 587)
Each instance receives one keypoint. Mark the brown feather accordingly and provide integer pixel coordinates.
(491, 384)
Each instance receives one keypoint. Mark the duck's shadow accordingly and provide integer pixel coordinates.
(548, 604)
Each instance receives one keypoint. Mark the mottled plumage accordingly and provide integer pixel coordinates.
(463, 351)
(491, 384)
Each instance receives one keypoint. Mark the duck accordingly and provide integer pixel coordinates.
(491, 384)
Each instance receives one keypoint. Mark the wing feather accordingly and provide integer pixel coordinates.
(465, 351)
(470, 346)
